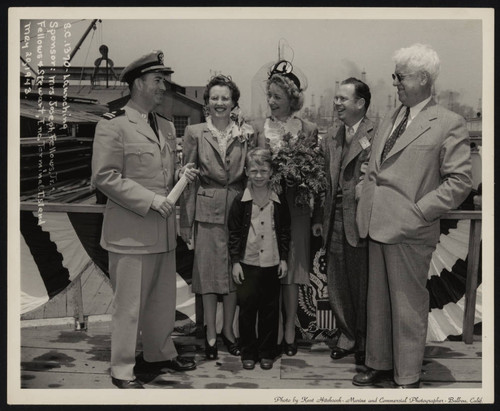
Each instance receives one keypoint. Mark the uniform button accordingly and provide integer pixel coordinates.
(262, 209)
(261, 251)
(261, 236)
(262, 222)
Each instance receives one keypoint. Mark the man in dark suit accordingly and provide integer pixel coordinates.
(347, 258)
(419, 168)
(133, 164)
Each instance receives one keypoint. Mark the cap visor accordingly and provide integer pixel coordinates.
(154, 68)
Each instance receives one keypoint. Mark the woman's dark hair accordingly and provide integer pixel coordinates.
(221, 80)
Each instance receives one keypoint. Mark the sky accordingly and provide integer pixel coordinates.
(326, 49)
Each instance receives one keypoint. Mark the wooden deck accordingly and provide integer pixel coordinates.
(58, 357)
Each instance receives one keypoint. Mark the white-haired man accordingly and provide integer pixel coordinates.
(420, 168)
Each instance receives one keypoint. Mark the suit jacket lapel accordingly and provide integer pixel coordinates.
(419, 125)
(335, 146)
(207, 136)
(384, 131)
(141, 124)
(355, 147)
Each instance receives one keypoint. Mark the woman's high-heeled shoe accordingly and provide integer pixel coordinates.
(210, 350)
(232, 347)
(290, 349)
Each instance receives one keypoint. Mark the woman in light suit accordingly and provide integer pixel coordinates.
(218, 149)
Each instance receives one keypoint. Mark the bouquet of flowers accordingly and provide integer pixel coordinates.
(300, 166)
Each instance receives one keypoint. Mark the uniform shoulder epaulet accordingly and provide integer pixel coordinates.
(162, 116)
(112, 114)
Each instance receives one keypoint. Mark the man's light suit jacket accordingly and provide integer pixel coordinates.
(427, 172)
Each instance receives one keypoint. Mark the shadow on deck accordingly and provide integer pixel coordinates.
(59, 357)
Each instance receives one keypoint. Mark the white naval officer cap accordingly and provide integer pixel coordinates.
(151, 62)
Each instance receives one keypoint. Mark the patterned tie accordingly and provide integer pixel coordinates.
(350, 134)
(152, 123)
(348, 139)
(395, 134)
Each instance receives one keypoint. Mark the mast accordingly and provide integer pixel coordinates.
(77, 47)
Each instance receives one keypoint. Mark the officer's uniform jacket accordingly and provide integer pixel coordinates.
(130, 165)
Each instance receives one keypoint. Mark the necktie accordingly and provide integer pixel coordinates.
(348, 139)
(395, 134)
(350, 135)
(152, 123)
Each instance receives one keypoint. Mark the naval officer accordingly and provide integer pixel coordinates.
(134, 165)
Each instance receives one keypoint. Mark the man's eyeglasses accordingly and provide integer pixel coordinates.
(342, 99)
(400, 77)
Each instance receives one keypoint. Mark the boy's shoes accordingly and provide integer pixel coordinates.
(338, 353)
(249, 364)
(266, 363)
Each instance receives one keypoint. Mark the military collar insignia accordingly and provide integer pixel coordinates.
(111, 115)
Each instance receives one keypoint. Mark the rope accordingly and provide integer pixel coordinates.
(86, 57)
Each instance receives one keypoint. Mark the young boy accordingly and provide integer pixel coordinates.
(259, 237)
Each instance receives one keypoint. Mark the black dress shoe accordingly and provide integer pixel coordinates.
(371, 377)
(338, 353)
(266, 363)
(290, 349)
(248, 364)
(415, 384)
(126, 383)
(176, 364)
(359, 357)
(179, 364)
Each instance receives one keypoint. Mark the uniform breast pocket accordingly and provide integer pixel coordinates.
(141, 160)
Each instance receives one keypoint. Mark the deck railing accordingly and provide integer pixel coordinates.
(474, 254)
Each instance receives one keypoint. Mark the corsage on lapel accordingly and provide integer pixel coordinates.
(241, 130)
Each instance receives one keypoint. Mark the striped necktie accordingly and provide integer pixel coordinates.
(395, 134)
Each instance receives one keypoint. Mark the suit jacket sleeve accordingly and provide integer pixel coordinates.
(235, 227)
(188, 198)
(107, 170)
(456, 173)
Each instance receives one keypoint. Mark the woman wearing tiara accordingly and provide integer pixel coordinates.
(285, 98)
(218, 148)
